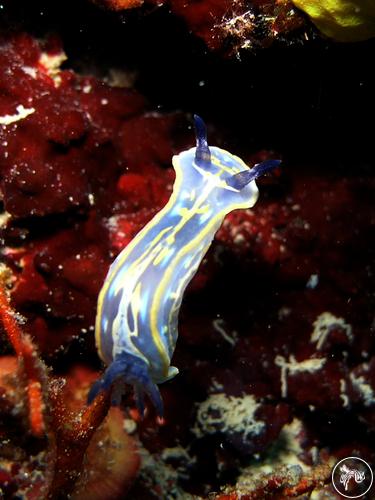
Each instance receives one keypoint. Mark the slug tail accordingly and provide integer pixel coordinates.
(127, 369)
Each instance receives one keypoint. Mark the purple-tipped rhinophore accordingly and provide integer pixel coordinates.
(240, 180)
(202, 153)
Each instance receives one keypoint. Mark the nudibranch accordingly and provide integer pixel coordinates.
(138, 305)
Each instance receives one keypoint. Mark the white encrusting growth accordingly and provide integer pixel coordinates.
(29, 70)
(293, 367)
(324, 324)
(223, 413)
(218, 325)
(364, 389)
(313, 281)
(21, 114)
(51, 64)
(4, 218)
(343, 395)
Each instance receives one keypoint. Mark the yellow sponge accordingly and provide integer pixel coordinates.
(342, 20)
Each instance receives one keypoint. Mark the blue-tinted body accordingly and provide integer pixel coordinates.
(136, 324)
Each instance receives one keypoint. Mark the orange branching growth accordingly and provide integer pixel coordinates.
(73, 431)
(9, 321)
(71, 424)
(28, 360)
(31, 366)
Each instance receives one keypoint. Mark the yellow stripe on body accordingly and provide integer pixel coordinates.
(164, 252)
(98, 319)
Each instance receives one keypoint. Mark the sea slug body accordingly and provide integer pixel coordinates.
(138, 305)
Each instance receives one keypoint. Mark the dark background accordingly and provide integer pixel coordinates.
(313, 99)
